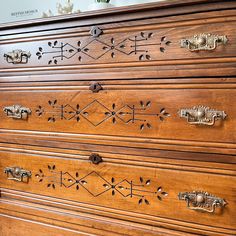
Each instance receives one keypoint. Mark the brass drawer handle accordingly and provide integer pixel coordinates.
(201, 115)
(95, 158)
(17, 174)
(17, 56)
(207, 42)
(17, 112)
(202, 201)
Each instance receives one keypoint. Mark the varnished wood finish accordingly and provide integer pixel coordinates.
(143, 113)
(117, 97)
(139, 45)
(149, 191)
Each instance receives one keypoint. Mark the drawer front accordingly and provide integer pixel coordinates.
(176, 114)
(116, 44)
(147, 190)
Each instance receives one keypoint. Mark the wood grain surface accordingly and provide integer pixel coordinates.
(117, 96)
(150, 191)
(143, 113)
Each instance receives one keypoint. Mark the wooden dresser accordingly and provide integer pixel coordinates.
(120, 122)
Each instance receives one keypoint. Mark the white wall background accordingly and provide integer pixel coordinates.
(15, 10)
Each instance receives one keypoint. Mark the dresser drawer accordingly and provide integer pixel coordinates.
(152, 44)
(171, 114)
(197, 197)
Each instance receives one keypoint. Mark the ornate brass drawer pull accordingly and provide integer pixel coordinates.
(203, 41)
(201, 115)
(17, 56)
(17, 174)
(95, 158)
(17, 112)
(202, 201)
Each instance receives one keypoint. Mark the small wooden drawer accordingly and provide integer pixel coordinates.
(195, 197)
(112, 44)
(169, 114)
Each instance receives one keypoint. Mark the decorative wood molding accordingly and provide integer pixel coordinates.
(93, 212)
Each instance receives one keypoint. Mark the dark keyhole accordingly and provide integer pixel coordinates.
(95, 31)
(95, 87)
(95, 158)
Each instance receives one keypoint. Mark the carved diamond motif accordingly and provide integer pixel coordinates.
(69, 112)
(69, 51)
(95, 184)
(126, 46)
(67, 180)
(124, 188)
(97, 49)
(125, 114)
(138, 47)
(95, 113)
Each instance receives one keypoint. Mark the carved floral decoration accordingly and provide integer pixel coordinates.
(142, 191)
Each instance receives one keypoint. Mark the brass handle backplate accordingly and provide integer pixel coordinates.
(201, 115)
(17, 174)
(17, 112)
(95, 158)
(202, 201)
(17, 56)
(203, 41)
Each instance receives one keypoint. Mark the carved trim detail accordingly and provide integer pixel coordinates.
(96, 47)
(124, 188)
(125, 114)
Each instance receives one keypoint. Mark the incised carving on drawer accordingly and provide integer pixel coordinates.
(125, 114)
(141, 191)
(95, 48)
